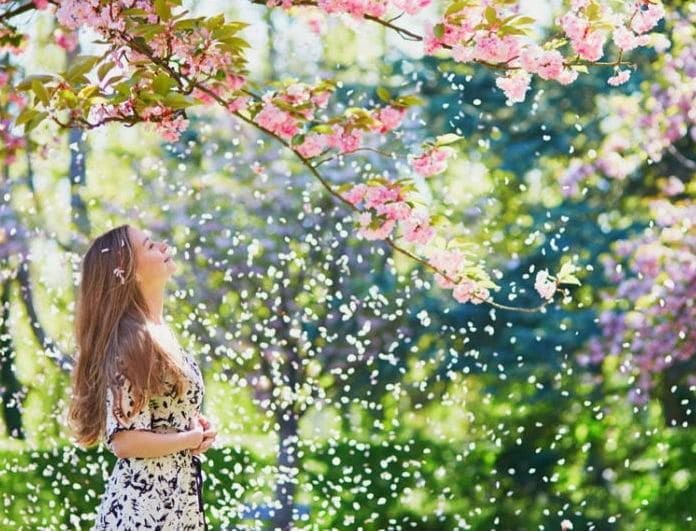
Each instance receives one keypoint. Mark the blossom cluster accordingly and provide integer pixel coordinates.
(203, 57)
(644, 126)
(384, 204)
(358, 8)
(493, 33)
(381, 205)
(658, 288)
(294, 113)
(10, 142)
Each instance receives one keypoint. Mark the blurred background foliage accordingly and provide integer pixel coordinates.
(403, 408)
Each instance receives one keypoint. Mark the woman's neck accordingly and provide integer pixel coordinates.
(154, 299)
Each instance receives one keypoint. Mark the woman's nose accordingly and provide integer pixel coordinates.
(164, 246)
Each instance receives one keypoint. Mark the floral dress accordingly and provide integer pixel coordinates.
(158, 493)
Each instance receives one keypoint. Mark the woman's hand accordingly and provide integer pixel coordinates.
(196, 435)
(209, 434)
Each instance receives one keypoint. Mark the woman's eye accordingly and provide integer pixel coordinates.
(152, 245)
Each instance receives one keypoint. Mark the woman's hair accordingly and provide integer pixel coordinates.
(112, 339)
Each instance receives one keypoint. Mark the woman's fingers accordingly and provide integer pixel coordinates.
(204, 422)
(202, 447)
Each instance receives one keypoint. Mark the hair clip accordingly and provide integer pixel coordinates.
(105, 250)
(119, 275)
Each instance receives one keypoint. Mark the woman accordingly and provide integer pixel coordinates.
(136, 389)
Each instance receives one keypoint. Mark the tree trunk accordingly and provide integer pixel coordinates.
(9, 385)
(287, 468)
(678, 401)
(78, 180)
(77, 172)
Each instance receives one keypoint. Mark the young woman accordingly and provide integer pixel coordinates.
(135, 388)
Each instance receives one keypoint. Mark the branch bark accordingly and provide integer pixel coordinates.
(49, 346)
(11, 389)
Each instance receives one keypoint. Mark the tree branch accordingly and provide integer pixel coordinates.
(410, 35)
(681, 158)
(63, 361)
(7, 15)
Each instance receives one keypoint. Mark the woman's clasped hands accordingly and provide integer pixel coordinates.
(200, 423)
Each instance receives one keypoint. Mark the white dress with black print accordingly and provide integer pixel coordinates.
(158, 493)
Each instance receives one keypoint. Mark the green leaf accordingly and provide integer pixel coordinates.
(566, 276)
(215, 22)
(233, 44)
(164, 12)
(439, 30)
(34, 121)
(455, 7)
(79, 66)
(570, 279)
(162, 83)
(68, 98)
(104, 69)
(523, 21)
(25, 115)
(461, 241)
(593, 12)
(177, 101)
(87, 91)
(147, 30)
(439, 220)
(322, 128)
(383, 94)
(408, 101)
(187, 24)
(40, 91)
(26, 84)
(134, 12)
(449, 138)
(491, 16)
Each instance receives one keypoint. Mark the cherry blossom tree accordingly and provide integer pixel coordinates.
(158, 63)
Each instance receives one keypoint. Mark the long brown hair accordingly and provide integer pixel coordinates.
(113, 340)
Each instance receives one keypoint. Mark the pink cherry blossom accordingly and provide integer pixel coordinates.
(547, 63)
(544, 285)
(647, 17)
(277, 121)
(380, 233)
(619, 78)
(411, 6)
(396, 210)
(463, 53)
(432, 162)
(389, 118)
(627, 40)
(417, 228)
(496, 49)
(590, 46)
(464, 290)
(447, 261)
(355, 194)
(312, 146)
(65, 39)
(515, 85)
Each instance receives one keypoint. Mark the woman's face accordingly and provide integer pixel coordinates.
(153, 263)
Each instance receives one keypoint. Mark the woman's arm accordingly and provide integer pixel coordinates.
(144, 443)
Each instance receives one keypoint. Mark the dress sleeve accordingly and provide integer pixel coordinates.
(124, 417)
